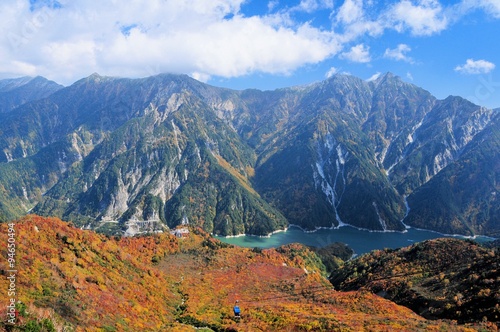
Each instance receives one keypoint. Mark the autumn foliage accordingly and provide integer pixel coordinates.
(442, 278)
(78, 280)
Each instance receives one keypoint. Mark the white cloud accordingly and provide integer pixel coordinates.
(399, 53)
(200, 76)
(491, 7)
(197, 37)
(310, 6)
(350, 11)
(475, 67)
(204, 38)
(358, 53)
(426, 17)
(351, 18)
(272, 4)
(332, 71)
(374, 77)
(18, 68)
(409, 76)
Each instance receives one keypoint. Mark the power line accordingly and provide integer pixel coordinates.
(303, 292)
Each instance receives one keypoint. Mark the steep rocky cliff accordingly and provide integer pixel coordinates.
(168, 149)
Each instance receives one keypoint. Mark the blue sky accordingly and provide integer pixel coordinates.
(446, 47)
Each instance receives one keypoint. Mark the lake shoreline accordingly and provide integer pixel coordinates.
(360, 240)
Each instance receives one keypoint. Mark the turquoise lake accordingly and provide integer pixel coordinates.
(361, 241)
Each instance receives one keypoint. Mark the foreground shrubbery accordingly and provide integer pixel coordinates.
(443, 278)
(79, 280)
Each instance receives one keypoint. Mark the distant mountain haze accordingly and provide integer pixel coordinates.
(18, 91)
(167, 149)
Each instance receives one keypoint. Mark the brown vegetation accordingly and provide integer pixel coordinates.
(81, 280)
(443, 278)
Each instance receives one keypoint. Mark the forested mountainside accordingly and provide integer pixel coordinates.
(170, 150)
(76, 280)
(443, 278)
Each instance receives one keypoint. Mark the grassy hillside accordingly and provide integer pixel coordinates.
(83, 281)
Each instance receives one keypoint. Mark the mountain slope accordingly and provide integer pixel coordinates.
(460, 197)
(437, 141)
(15, 92)
(177, 165)
(397, 109)
(79, 280)
(321, 157)
(173, 150)
(443, 278)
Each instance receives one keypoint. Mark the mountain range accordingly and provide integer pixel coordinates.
(117, 154)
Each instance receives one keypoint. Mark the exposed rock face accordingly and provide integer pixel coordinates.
(169, 148)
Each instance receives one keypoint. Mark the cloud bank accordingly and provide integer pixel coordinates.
(66, 40)
(198, 37)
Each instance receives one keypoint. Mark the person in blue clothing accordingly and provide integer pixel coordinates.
(236, 309)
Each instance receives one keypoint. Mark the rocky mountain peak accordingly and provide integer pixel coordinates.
(170, 149)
